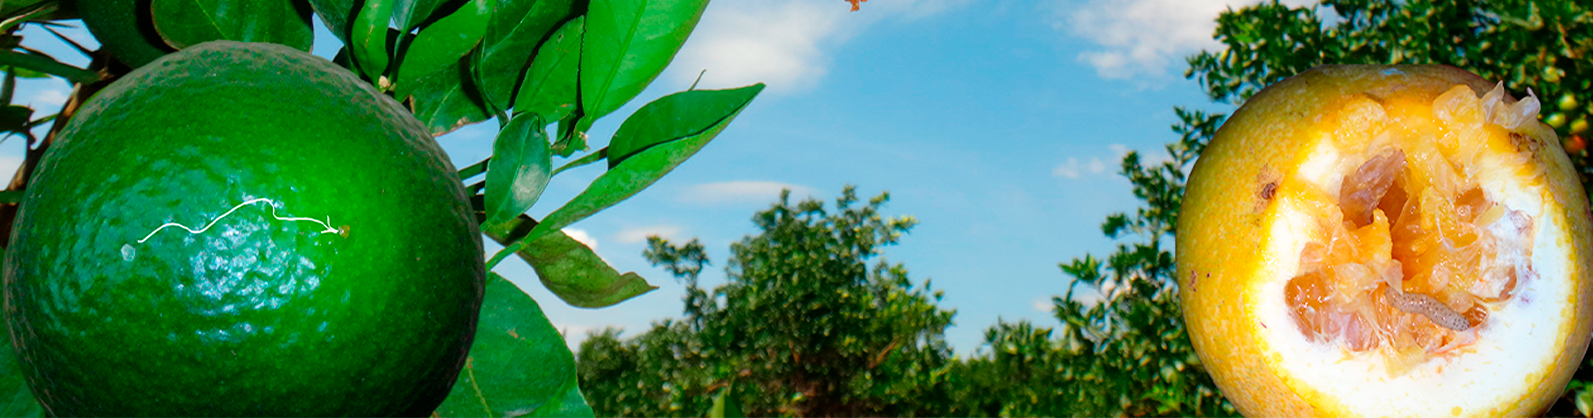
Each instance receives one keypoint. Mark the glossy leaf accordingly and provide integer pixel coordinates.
(549, 88)
(513, 33)
(519, 169)
(368, 39)
(187, 22)
(627, 178)
(447, 100)
(443, 44)
(336, 14)
(408, 14)
(627, 44)
(673, 117)
(518, 364)
(16, 400)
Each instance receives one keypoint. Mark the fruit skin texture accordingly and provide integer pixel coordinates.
(124, 29)
(255, 316)
(1221, 223)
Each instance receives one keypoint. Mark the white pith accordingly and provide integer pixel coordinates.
(1516, 345)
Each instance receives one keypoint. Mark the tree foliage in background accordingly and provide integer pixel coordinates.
(809, 323)
(1126, 353)
(1129, 354)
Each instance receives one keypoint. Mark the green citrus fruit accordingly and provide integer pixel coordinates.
(1387, 241)
(243, 229)
(124, 28)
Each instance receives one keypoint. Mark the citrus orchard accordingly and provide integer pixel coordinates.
(243, 229)
(1386, 240)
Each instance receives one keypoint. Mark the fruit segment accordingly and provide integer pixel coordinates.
(1413, 252)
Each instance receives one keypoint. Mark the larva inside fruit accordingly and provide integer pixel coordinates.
(1416, 250)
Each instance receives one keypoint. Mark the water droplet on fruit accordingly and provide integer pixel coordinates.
(128, 252)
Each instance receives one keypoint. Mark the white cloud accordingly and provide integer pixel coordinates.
(1042, 304)
(784, 43)
(1074, 168)
(48, 99)
(9, 164)
(640, 234)
(583, 237)
(744, 191)
(1145, 37)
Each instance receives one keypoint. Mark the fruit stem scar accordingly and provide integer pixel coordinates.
(1427, 306)
(326, 228)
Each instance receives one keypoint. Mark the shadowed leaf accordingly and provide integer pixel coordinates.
(518, 364)
(187, 22)
(513, 33)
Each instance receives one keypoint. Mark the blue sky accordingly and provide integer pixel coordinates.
(998, 124)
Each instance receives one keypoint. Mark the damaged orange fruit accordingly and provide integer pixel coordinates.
(1388, 241)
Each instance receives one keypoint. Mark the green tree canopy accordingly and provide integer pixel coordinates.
(810, 322)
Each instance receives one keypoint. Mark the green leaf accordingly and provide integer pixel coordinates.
(336, 14)
(409, 14)
(627, 44)
(519, 169)
(626, 179)
(15, 118)
(549, 88)
(369, 39)
(21, 402)
(187, 22)
(518, 364)
(45, 64)
(673, 117)
(443, 44)
(513, 33)
(572, 271)
(26, 73)
(726, 405)
(447, 100)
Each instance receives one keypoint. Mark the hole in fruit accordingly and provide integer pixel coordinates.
(1411, 252)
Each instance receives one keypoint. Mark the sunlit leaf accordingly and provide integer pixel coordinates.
(443, 44)
(513, 33)
(519, 169)
(673, 117)
(409, 14)
(726, 405)
(518, 364)
(629, 177)
(550, 85)
(627, 44)
(368, 39)
(188, 22)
